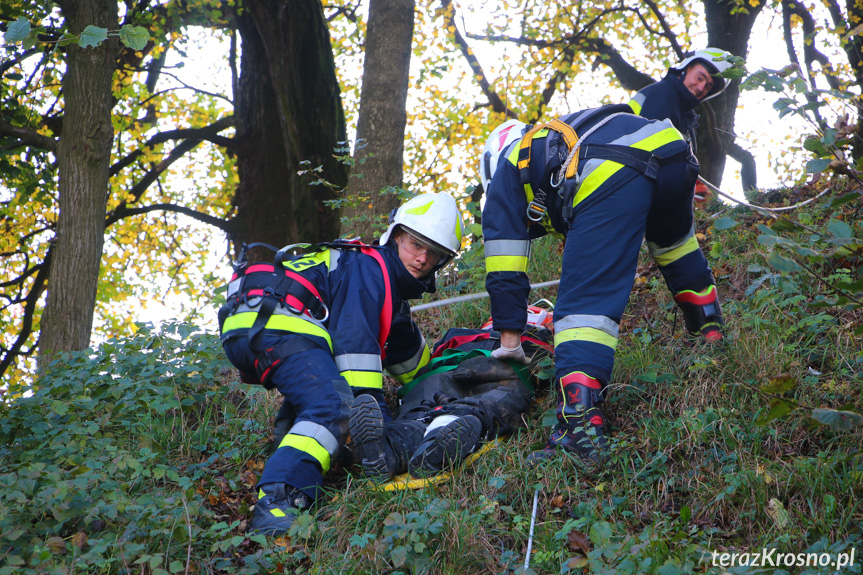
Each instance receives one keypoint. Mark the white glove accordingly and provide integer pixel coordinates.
(515, 353)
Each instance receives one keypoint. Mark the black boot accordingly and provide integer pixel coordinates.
(381, 448)
(450, 439)
(701, 312)
(277, 507)
(580, 427)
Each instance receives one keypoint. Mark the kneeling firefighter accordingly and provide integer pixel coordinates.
(603, 179)
(320, 328)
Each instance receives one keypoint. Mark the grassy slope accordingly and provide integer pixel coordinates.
(142, 459)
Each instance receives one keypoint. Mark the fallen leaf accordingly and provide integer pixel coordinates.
(777, 513)
(79, 539)
(557, 501)
(56, 545)
(578, 541)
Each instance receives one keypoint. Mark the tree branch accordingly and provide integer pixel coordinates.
(748, 168)
(27, 136)
(496, 103)
(666, 29)
(27, 318)
(209, 133)
(219, 223)
(629, 77)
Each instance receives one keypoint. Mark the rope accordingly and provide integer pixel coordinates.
(760, 208)
(574, 151)
(471, 296)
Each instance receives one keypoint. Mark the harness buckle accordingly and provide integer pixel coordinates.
(535, 211)
(556, 185)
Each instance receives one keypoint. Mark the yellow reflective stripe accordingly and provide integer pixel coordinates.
(277, 321)
(404, 378)
(585, 334)
(608, 168)
(689, 246)
(636, 107)
(506, 264)
(370, 379)
(310, 446)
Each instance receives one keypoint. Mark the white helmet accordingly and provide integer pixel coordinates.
(500, 138)
(435, 218)
(715, 60)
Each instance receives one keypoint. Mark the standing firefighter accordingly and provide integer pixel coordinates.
(320, 328)
(601, 178)
(688, 83)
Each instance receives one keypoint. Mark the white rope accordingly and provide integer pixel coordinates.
(759, 208)
(530, 535)
(471, 296)
(574, 151)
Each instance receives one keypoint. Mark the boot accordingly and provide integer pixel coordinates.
(701, 312)
(448, 440)
(580, 427)
(278, 504)
(381, 448)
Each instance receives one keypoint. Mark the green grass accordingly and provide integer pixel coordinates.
(141, 457)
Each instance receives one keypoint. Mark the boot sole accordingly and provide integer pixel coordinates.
(454, 443)
(367, 433)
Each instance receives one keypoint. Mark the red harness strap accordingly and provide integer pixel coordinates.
(386, 317)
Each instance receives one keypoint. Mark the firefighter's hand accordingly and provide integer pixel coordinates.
(514, 353)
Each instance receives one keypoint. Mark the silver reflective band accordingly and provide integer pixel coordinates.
(410, 364)
(317, 432)
(358, 362)
(600, 322)
(507, 248)
(655, 250)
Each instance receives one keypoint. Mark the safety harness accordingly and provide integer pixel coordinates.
(278, 286)
(567, 178)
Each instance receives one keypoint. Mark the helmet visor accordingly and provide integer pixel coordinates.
(418, 246)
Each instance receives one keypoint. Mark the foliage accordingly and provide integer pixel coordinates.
(127, 450)
(158, 120)
(109, 463)
(829, 145)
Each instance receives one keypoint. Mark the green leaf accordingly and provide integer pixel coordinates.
(778, 408)
(817, 166)
(475, 229)
(779, 384)
(839, 229)
(92, 36)
(134, 37)
(600, 533)
(399, 555)
(669, 569)
(783, 264)
(815, 145)
(65, 40)
(783, 225)
(17, 30)
(549, 418)
(685, 514)
(837, 420)
(842, 200)
(725, 223)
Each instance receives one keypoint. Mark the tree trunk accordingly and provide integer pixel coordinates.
(379, 151)
(83, 158)
(729, 32)
(288, 110)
